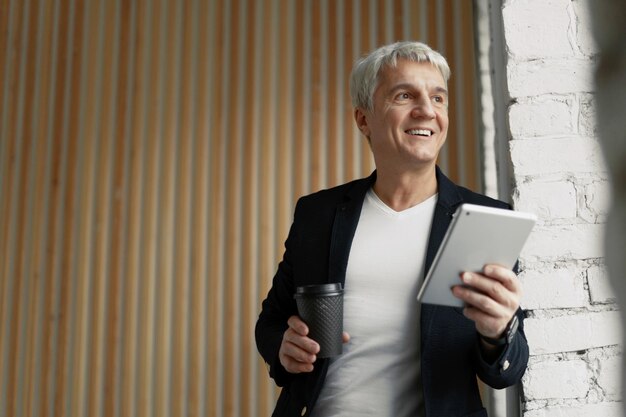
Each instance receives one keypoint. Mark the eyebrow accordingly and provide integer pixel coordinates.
(407, 86)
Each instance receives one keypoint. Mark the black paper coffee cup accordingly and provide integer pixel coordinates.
(321, 308)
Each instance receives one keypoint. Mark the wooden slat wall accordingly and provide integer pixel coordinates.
(151, 153)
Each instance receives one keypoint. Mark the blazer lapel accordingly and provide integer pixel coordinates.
(448, 200)
(344, 226)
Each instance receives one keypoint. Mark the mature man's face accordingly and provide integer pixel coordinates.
(408, 124)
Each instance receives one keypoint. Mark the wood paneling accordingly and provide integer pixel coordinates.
(151, 153)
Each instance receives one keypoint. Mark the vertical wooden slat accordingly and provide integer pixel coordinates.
(364, 46)
(150, 207)
(298, 126)
(316, 97)
(39, 190)
(104, 285)
(276, 158)
(134, 132)
(203, 234)
(452, 150)
(431, 35)
(169, 60)
(9, 14)
(202, 24)
(286, 151)
(50, 319)
(28, 389)
(184, 215)
(232, 218)
(217, 191)
(112, 177)
(397, 19)
(18, 264)
(249, 233)
(7, 11)
(349, 134)
(471, 174)
(118, 244)
(86, 368)
(65, 351)
(333, 91)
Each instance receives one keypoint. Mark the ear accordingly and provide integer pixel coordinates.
(360, 117)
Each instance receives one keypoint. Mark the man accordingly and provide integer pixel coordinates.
(378, 236)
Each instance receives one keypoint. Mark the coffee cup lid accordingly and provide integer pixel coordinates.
(320, 289)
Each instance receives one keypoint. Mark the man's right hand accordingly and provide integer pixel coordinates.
(297, 351)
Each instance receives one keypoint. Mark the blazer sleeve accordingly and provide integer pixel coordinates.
(511, 364)
(276, 309)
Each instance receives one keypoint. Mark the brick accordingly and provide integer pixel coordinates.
(542, 117)
(548, 200)
(600, 289)
(537, 28)
(606, 409)
(573, 241)
(563, 379)
(548, 156)
(549, 76)
(594, 201)
(584, 32)
(573, 332)
(587, 118)
(610, 376)
(552, 288)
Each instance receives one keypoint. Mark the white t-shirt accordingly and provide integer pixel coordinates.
(378, 372)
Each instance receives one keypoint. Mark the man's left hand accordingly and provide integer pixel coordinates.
(491, 298)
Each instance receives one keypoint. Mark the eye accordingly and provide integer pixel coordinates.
(438, 99)
(403, 96)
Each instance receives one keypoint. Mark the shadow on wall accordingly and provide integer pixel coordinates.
(610, 77)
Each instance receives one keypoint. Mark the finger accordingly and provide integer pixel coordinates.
(293, 366)
(345, 337)
(492, 288)
(297, 353)
(479, 300)
(298, 325)
(506, 276)
(303, 342)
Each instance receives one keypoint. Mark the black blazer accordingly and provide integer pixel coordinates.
(316, 251)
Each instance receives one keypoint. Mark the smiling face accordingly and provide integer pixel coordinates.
(408, 123)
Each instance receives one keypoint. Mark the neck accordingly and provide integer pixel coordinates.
(403, 190)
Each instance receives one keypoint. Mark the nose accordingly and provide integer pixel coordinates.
(423, 108)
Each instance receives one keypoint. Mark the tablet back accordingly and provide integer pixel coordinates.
(478, 235)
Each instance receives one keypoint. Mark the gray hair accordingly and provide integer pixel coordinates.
(364, 76)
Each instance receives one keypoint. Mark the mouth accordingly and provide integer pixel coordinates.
(419, 132)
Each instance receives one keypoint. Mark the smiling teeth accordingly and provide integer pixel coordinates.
(421, 132)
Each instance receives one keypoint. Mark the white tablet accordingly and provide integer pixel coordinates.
(477, 236)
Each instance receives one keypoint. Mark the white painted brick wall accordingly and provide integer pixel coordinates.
(587, 125)
(609, 376)
(551, 199)
(555, 155)
(573, 325)
(571, 333)
(600, 288)
(549, 76)
(544, 116)
(537, 28)
(575, 241)
(579, 409)
(548, 286)
(563, 379)
(593, 199)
